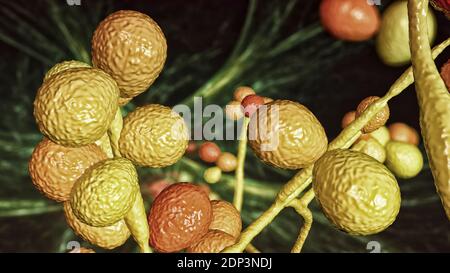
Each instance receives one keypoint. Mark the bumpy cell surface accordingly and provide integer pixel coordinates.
(131, 47)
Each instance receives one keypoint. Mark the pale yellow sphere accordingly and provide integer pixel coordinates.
(358, 194)
(108, 237)
(153, 136)
(75, 107)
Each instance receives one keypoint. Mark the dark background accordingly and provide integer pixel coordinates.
(329, 76)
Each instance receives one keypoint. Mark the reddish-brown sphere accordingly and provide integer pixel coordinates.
(445, 74)
(251, 103)
(191, 148)
(180, 216)
(351, 20)
(404, 133)
(209, 152)
(378, 120)
(348, 118)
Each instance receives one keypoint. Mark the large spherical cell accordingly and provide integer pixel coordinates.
(358, 194)
(153, 136)
(351, 20)
(180, 216)
(131, 47)
(54, 168)
(285, 134)
(75, 107)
